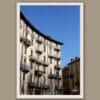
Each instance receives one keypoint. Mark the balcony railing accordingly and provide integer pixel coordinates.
(39, 40)
(27, 42)
(57, 49)
(44, 86)
(58, 77)
(50, 55)
(39, 50)
(58, 67)
(58, 87)
(45, 64)
(39, 61)
(31, 85)
(34, 59)
(51, 76)
(25, 68)
(38, 73)
(40, 86)
(21, 39)
(57, 57)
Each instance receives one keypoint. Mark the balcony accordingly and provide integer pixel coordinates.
(21, 39)
(58, 77)
(50, 55)
(39, 40)
(31, 85)
(45, 64)
(25, 68)
(57, 49)
(33, 59)
(38, 50)
(44, 86)
(57, 67)
(39, 61)
(27, 42)
(51, 76)
(38, 73)
(58, 87)
(57, 57)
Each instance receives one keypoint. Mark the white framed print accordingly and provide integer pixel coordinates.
(49, 50)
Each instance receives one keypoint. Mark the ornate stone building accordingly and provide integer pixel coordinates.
(71, 77)
(40, 61)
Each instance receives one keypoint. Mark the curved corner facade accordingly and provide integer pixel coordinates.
(40, 61)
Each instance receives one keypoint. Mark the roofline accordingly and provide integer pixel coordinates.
(75, 60)
(36, 30)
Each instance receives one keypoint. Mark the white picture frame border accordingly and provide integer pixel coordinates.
(81, 53)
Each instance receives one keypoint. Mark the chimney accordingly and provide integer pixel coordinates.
(71, 60)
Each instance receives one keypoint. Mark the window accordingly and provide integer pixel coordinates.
(50, 70)
(57, 73)
(32, 37)
(30, 78)
(44, 79)
(31, 65)
(32, 41)
(50, 73)
(57, 53)
(50, 60)
(37, 56)
(63, 84)
(57, 62)
(44, 48)
(44, 59)
(24, 60)
(65, 75)
(38, 36)
(44, 69)
(31, 52)
(27, 31)
(50, 50)
(56, 45)
(25, 50)
(38, 46)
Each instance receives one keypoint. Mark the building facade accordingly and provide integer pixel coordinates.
(40, 61)
(71, 77)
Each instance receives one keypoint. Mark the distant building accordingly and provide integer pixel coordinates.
(71, 77)
(40, 61)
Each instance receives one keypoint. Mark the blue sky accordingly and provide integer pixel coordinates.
(61, 23)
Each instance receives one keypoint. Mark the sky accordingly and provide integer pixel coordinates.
(61, 23)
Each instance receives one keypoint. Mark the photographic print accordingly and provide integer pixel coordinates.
(49, 50)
